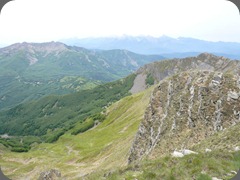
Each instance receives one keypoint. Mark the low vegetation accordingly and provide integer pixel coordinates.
(19, 144)
(203, 166)
(104, 147)
(83, 126)
(149, 80)
(52, 116)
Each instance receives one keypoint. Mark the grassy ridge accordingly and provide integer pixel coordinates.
(202, 166)
(103, 147)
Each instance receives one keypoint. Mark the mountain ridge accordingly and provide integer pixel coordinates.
(170, 47)
(208, 73)
(32, 70)
(204, 61)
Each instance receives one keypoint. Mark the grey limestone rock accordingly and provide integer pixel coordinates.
(184, 110)
(52, 174)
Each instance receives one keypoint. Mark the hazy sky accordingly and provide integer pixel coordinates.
(51, 20)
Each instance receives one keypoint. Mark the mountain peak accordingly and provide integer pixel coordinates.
(206, 55)
(39, 47)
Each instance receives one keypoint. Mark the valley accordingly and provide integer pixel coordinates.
(30, 71)
(104, 147)
(132, 128)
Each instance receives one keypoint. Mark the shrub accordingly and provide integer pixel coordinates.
(54, 136)
(98, 117)
(20, 149)
(149, 80)
(84, 126)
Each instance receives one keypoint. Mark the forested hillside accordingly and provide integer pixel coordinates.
(29, 71)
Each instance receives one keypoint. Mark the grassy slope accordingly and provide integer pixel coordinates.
(203, 166)
(105, 146)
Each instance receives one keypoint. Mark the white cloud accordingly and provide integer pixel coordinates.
(46, 20)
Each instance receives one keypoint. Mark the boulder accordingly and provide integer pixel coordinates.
(207, 150)
(236, 148)
(232, 95)
(187, 152)
(215, 178)
(177, 154)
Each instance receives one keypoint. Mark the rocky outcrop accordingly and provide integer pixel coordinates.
(186, 109)
(52, 174)
(203, 62)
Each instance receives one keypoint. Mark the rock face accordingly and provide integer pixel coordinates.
(52, 174)
(205, 61)
(139, 84)
(185, 109)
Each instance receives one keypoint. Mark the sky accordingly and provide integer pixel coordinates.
(53, 20)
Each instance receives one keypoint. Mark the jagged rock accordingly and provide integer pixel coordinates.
(184, 110)
(52, 174)
(232, 95)
(217, 79)
(203, 62)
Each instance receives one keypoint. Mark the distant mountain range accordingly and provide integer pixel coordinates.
(164, 45)
(31, 70)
